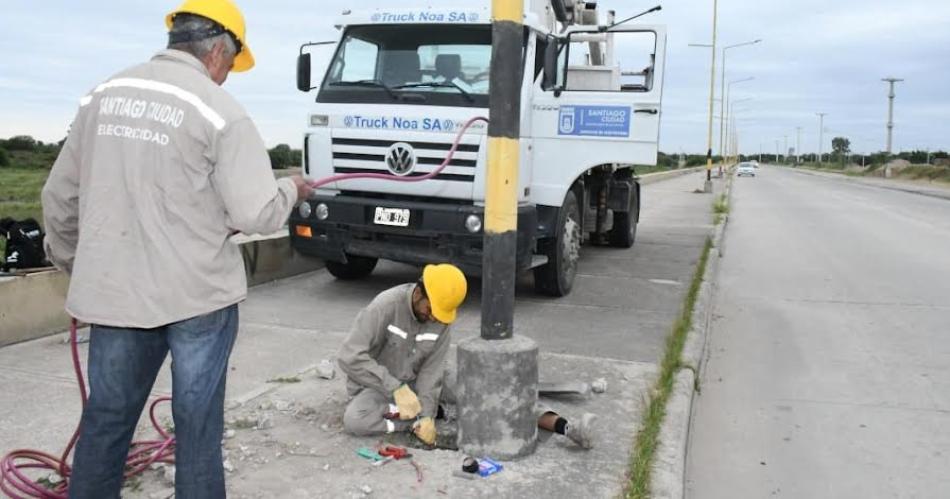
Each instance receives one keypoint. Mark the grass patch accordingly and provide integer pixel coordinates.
(720, 209)
(641, 465)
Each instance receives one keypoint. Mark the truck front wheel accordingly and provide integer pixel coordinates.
(556, 278)
(356, 267)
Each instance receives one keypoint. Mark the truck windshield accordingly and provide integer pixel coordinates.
(442, 65)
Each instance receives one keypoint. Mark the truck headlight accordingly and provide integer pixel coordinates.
(473, 224)
(304, 210)
(319, 120)
(323, 212)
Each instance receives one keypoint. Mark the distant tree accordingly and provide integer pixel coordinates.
(841, 145)
(20, 143)
(282, 156)
(4, 158)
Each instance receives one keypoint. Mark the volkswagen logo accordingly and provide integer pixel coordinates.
(401, 159)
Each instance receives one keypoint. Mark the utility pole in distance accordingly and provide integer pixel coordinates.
(498, 372)
(821, 133)
(798, 145)
(890, 112)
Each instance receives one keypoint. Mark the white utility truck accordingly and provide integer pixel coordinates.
(399, 85)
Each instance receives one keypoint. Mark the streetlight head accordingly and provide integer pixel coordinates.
(757, 40)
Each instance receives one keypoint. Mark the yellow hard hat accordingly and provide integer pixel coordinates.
(446, 288)
(227, 14)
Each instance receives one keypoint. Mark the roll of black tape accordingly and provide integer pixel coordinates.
(470, 465)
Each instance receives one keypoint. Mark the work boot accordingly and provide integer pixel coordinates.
(582, 432)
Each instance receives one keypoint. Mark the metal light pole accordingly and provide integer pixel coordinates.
(821, 133)
(785, 151)
(724, 116)
(890, 111)
(723, 87)
(707, 187)
(731, 126)
(798, 145)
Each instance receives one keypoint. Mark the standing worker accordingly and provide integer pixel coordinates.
(161, 167)
(395, 362)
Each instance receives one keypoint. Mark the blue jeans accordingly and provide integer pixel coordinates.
(123, 364)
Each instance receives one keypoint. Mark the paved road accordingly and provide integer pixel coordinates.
(829, 358)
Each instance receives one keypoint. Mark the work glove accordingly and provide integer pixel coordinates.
(425, 430)
(407, 402)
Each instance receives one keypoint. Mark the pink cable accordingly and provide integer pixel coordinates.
(142, 454)
(396, 178)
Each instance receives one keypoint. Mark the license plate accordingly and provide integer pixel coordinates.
(396, 217)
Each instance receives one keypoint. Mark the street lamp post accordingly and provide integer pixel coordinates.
(821, 133)
(724, 116)
(798, 145)
(707, 187)
(723, 89)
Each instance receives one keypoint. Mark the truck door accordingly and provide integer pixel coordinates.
(603, 108)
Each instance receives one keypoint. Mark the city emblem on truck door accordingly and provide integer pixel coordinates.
(401, 159)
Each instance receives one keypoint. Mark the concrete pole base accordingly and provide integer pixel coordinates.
(498, 392)
(707, 187)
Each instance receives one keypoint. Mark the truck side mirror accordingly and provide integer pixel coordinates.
(303, 72)
(550, 64)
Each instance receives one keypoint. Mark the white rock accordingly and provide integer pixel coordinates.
(366, 489)
(282, 405)
(169, 474)
(599, 385)
(325, 369)
(326, 467)
(264, 422)
(229, 434)
(228, 466)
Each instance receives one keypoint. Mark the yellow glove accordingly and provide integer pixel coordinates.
(407, 402)
(425, 430)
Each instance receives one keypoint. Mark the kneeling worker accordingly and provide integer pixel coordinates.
(394, 360)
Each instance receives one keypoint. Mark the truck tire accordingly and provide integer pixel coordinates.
(357, 267)
(624, 232)
(556, 278)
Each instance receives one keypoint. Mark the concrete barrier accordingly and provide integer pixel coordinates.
(33, 306)
(652, 178)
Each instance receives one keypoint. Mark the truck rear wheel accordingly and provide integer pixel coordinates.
(624, 232)
(356, 267)
(556, 278)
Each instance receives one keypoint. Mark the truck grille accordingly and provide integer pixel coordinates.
(351, 155)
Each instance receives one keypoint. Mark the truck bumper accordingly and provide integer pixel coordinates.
(436, 232)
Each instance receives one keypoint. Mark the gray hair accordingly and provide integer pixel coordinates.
(193, 24)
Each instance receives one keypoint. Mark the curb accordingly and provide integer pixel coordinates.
(669, 468)
(32, 306)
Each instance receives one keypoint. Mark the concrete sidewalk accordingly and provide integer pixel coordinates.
(613, 326)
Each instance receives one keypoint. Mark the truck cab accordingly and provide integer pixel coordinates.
(400, 85)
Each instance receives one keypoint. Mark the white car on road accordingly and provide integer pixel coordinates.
(745, 169)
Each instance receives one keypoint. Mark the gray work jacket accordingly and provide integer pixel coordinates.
(388, 347)
(161, 167)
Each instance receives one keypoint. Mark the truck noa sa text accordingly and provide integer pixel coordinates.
(399, 84)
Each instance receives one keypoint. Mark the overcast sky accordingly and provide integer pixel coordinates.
(816, 55)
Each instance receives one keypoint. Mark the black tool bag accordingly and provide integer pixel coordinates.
(24, 244)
